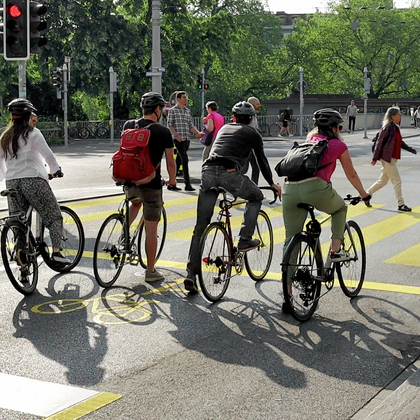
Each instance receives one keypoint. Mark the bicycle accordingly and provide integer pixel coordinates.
(219, 254)
(303, 265)
(20, 247)
(118, 242)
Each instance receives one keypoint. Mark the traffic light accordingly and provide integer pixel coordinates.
(36, 26)
(206, 86)
(200, 81)
(16, 36)
(1, 31)
(58, 78)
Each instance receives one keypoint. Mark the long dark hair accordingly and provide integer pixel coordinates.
(19, 126)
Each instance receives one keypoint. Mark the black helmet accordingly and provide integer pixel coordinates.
(327, 117)
(20, 106)
(152, 100)
(243, 108)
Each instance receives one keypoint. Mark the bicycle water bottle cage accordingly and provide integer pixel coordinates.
(314, 228)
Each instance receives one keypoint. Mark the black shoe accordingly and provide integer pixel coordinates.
(189, 188)
(244, 246)
(190, 283)
(404, 208)
(285, 308)
(179, 173)
(59, 259)
(173, 188)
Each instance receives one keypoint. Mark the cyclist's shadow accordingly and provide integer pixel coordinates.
(67, 338)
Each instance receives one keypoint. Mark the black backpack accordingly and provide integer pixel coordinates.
(302, 160)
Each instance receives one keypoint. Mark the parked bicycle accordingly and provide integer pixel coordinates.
(303, 265)
(219, 254)
(21, 246)
(118, 243)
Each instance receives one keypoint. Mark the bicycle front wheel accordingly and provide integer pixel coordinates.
(72, 241)
(294, 129)
(215, 262)
(258, 260)
(351, 273)
(161, 236)
(302, 262)
(264, 129)
(274, 130)
(109, 253)
(19, 258)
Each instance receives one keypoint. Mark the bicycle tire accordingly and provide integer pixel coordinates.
(108, 257)
(215, 262)
(274, 130)
(264, 129)
(72, 241)
(73, 132)
(101, 133)
(293, 129)
(258, 261)
(19, 258)
(301, 262)
(351, 274)
(161, 233)
(84, 133)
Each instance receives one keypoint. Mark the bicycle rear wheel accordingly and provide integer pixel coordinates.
(215, 262)
(258, 261)
(293, 129)
(109, 253)
(72, 241)
(351, 274)
(19, 258)
(161, 235)
(274, 130)
(264, 129)
(301, 263)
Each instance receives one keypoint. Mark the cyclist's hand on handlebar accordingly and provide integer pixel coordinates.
(366, 200)
(58, 174)
(277, 189)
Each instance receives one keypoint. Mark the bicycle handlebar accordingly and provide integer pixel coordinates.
(356, 200)
(58, 174)
(274, 192)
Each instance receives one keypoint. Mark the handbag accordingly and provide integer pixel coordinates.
(207, 138)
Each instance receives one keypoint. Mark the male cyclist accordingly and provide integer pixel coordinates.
(222, 169)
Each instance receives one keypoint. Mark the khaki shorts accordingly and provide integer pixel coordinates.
(150, 198)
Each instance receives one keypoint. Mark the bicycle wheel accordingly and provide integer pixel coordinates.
(101, 132)
(84, 133)
(72, 241)
(109, 254)
(264, 129)
(73, 132)
(301, 263)
(216, 262)
(19, 258)
(274, 130)
(161, 235)
(293, 129)
(351, 274)
(258, 261)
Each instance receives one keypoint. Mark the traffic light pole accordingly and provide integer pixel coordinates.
(202, 94)
(367, 90)
(112, 88)
(22, 78)
(66, 131)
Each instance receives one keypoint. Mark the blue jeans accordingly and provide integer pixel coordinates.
(213, 178)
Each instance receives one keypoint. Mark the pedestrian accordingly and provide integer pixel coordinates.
(23, 153)
(255, 170)
(150, 195)
(416, 118)
(180, 123)
(351, 115)
(34, 119)
(317, 191)
(213, 123)
(222, 169)
(388, 151)
(286, 117)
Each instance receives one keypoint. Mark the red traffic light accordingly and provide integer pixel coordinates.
(13, 10)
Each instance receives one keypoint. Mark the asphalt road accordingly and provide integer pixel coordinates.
(174, 356)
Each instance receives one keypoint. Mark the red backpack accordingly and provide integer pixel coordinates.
(132, 161)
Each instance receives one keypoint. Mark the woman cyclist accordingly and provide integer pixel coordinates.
(22, 152)
(318, 191)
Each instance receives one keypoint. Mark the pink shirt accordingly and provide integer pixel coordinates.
(335, 149)
(218, 122)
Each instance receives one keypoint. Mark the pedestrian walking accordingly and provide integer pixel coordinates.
(180, 123)
(213, 123)
(416, 118)
(285, 118)
(388, 151)
(351, 115)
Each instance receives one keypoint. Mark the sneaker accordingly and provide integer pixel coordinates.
(59, 259)
(173, 188)
(244, 246)
(339, 256)
(190, 283)
(151, 276)
(367, 203)
(189, 188)
(404, 208)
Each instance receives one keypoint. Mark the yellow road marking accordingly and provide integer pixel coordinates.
(409, 257)
(85, 407)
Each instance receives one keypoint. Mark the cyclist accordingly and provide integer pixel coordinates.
(229, 153)
(150, 194)
(22, 152)
(318, 191)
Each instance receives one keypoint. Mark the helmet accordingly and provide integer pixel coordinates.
(243, 108)
(152, 100)
(327, 117)
(20, 106)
